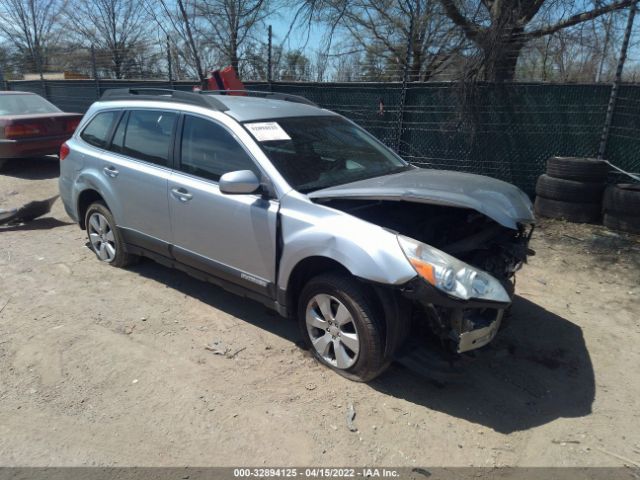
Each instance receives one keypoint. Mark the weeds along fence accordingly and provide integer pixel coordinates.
(504, 131)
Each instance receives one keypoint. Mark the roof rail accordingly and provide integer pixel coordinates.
(166, 95)
(258, 93)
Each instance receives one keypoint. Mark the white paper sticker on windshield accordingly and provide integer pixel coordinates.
(267, 131)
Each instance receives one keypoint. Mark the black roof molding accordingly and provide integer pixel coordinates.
(164, 95)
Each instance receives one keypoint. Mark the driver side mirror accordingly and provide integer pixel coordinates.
(239, 182)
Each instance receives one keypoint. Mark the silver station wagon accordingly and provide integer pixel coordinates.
(292, 205)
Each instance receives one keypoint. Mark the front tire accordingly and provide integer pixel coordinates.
(105, 238)
(342, 326)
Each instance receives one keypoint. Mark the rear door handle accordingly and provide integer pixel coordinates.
(111, 171)
(181, 194)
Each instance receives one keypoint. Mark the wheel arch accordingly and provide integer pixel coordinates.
(86, 198)
(394, 310)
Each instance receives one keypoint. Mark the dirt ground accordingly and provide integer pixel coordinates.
(101, 366)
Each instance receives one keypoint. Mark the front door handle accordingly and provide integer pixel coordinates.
(181, 194)
(111, 171)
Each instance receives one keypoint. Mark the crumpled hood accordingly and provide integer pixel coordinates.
(498, 200)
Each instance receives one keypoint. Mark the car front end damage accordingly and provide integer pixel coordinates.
(464, 304)
(465, 236)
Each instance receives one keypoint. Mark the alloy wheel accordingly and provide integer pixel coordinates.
(332, 331)
(102, 238)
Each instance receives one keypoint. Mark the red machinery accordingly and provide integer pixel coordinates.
(226, 79)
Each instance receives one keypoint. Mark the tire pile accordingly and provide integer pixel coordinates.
(574, 189)
(621, 207)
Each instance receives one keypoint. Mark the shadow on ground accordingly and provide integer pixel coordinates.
(32, 168)
(537, 370)
(45, 223)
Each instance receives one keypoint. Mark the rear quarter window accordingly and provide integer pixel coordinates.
(97, 131)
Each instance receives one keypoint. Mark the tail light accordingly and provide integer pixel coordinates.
(64, 151)
(22, 130)
(71, 125)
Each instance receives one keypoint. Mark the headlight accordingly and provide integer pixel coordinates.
(451, 275)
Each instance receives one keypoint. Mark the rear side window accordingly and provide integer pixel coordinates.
(96, 133)
(210, 151)
(146, 135)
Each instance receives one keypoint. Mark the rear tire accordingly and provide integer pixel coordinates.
(342, 326)
(105, 238)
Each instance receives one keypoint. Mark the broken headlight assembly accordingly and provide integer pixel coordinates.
(450, 275)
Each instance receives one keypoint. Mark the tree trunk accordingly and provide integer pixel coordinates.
(501, 50)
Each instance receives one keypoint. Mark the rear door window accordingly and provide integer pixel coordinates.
(96, 133)
(146, 136)
(209, 150)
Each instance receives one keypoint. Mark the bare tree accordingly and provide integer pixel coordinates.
(230, 24)
(177, 20)
(385, 28)
(32, 27)
(118, 29)
(501, 28)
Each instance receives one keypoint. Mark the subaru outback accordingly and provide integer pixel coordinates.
(278, 200)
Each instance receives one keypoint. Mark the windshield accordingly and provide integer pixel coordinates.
(319, 152)
(17, 104)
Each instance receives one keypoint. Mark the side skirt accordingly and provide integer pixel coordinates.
(209, 276)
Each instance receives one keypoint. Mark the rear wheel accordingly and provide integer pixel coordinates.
(342, 326)
(104, 237)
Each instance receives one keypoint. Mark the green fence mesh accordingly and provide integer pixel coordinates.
(504, 131)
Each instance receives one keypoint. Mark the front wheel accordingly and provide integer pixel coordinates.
(342, 326)
(104, 237)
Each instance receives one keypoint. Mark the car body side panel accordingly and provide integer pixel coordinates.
(368, 251)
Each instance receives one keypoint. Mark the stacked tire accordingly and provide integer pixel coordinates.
(572, 189)
(621, 207)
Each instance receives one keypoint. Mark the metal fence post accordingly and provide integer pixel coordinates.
(269, 68)
(604, 139)
(43, 83)
(94, 71)
(3, 81)
(169, 65)
(403, 92)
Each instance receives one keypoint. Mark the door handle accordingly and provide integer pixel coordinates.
(111, 171)
(181, 194)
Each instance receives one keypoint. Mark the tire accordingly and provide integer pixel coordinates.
(571, 211)
(622, 222)
(364, 321)
(114, 252)
(569, 190)
(3, 163)
(622, 198)
(578, 169)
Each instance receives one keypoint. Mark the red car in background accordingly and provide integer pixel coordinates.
(30, 126)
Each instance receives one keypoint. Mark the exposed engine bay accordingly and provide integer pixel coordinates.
(465, 234)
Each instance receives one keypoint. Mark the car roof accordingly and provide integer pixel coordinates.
(15, 92)
(253, 108)
(253, 105)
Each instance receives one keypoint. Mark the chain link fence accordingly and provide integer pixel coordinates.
(504, 131)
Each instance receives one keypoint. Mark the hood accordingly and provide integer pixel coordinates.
(498, 200)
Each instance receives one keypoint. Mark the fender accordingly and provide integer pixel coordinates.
(93, 180)
(368, 251)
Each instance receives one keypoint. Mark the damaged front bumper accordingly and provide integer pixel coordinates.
(468, 324)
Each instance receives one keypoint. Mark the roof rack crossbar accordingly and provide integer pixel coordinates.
(169, 95)
(259, 93)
